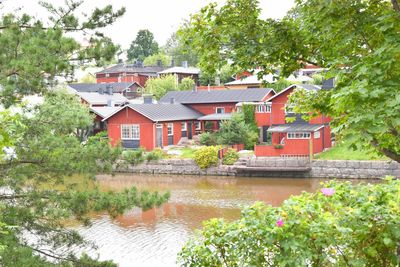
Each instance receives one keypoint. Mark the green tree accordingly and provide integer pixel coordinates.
(359, 49)
(340, 225)
(186, 84)
(33, 52)
(153, 60)
(161, 85)
(179, 51)
(143, 46)
(42, 194)
(237, 131)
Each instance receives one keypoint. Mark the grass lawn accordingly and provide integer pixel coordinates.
(187, 153)
(343, 152)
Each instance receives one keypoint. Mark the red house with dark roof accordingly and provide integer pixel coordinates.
(151, 125)
(298, 138)
(122, 73)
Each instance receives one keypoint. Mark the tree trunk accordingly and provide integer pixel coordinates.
(385, 151)
(396, 6)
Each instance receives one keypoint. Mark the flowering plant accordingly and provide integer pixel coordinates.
(340, 224)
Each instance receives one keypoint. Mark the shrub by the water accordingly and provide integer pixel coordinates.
(206, 156)
(134, 157)
(208, 139)
(230, 157)
(341, 224)
(155, 154)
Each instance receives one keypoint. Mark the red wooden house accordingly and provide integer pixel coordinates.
(128, 73)
(218, 105)
(151, 125)
(298, 138)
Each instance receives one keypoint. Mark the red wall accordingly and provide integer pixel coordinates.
(207, 109)
(129, 116)
(147, 128)
(293, 146)
(118, 77)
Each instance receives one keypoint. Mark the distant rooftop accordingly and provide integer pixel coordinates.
(104, 111)
(102, 99)
(95, 87)
(216, 96)
(133, 68)
(183, 70)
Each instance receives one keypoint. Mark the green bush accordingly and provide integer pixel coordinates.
(155, 154)
(208, 139)
(208, 125)
(230, 157)
(134, 157)
(340, 225)
(206, 156)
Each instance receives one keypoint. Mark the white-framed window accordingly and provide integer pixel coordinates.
(298, 135)
(197, 124)
(317, 134)
(268, 107)
(260, 108)
(184, 126)
(107, 75)
(170, 127)
(128, 90)
(219, 110)
(130, 131)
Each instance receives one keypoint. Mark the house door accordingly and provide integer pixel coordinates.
(159, 134)
(266, 136)
(189, 129)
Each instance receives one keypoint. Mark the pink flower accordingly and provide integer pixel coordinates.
(279, 223)
(328, 191)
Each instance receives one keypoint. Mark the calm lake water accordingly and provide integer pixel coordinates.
(153, 238)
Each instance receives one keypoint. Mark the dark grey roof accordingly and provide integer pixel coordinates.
(216, 117)
(216, 96)
(133, 68)
(328, 84)
(295, 127)
(166, 112)
(95, 87)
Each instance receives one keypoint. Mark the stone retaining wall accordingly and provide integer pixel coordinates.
(319, 168)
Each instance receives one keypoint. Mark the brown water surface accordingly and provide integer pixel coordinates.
(153, 238)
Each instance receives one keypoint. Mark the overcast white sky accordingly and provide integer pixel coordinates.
(161, 17)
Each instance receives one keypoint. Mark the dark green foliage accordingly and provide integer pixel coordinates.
(237, 131)
(134, 157)
(230, 157)
(249, 116)
(208, 126)
(208, 139)
(356, 41)
(155, 154)
(33, 53)
(42, 192)
(340, 225)
(143, 46)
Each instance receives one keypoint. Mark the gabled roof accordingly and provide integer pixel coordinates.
(308, 87)
(217, 96)
(95, 87)
(102, 99)
(216, 117)
(162, 112)
(295, 127)
(133, 68)
(183, 70)
(104, 111)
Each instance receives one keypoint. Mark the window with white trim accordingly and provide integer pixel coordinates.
(317, 134)
(170, 127)
(107, 75)
(130, 131)
(268, 107)
(197, 124)
(260, 108)
(184, 126)
(298, 135)
(219, 110)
